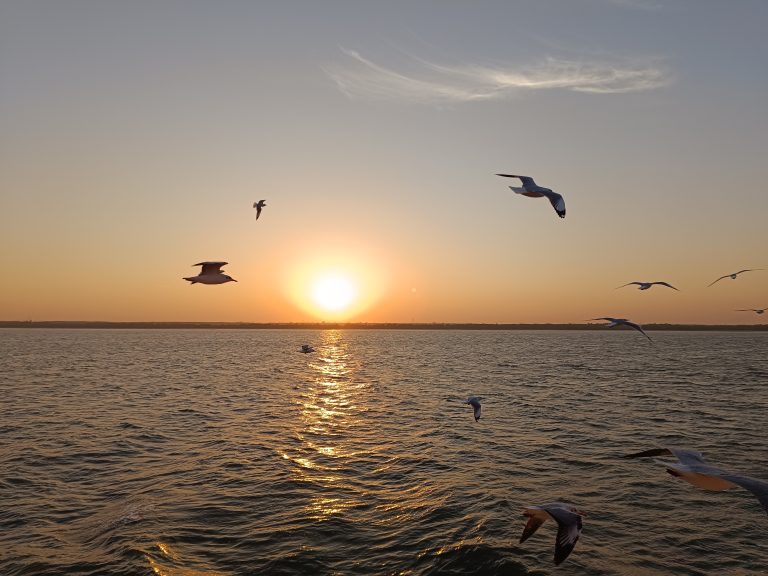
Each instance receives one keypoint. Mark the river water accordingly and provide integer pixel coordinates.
(228, 452)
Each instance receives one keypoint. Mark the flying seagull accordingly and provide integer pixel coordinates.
(531, 189)
(625, 322)
(691, 467)
(646, 285)
(259, 205)
(474, 401)
(306, 349)
(568, 526)
(733, 276)
(755, 310)
(210, 273)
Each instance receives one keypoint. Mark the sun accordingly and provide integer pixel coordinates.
(336, 283)
(334, 292)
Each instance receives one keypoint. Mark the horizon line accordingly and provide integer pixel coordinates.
(320, 325)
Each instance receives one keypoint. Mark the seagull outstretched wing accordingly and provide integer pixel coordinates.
(210, 267)
(556, 200)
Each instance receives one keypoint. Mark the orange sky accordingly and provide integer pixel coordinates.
(133, 147)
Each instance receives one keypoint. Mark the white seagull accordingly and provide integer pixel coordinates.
(259, 205)
(755, 310)
(624, 322)
(646, 285)
(306, 349)
(733, 276)
(531, 189)
(691, 467)
(568, 525)
(210, 273)
(474, 401)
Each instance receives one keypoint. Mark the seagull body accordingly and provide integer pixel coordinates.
(624, 322)
(755, 310)
(733, 276)
(210, 273)
(646, 285)
(533, 190)
(474, 401)
(259, 205)
(306, 349)
(568, 526)
(692, 468)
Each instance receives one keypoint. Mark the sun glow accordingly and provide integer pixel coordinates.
(334, 292)
(339, 285)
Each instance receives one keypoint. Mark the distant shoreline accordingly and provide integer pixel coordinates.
(365, 326)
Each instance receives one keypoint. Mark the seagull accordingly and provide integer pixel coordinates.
(530, 188)
(755, 310)
(259, 205)
(306, 349)
(625, 322)
(646, 285)
(568, 526)
(733, 276)
(691, 467)
(210, 274)
(474, 401)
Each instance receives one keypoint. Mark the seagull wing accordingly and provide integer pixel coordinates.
(557, 201)
(568, 531)
(531, 526)
(211, 267)
(637, 327)
(665, 284)
(475, 403)
(757, 487)
(628, 284)
(718, 280)
(689, 457)
(747, 270)
(526, 180)
(649, 453)
(258, 210)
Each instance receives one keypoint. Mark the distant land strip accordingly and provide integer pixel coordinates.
(365, 326)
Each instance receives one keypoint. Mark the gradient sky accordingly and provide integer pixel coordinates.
(135, 136)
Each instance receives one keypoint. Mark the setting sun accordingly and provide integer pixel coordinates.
(337, 282)
(333, 292)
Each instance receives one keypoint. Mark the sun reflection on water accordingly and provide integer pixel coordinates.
(330, 408)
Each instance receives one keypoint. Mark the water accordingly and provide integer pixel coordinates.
(223, 452)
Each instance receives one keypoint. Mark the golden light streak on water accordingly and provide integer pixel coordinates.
(329, 408)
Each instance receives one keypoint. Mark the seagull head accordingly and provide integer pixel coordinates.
(229, 278)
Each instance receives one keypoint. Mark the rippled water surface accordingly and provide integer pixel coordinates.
(202, 452)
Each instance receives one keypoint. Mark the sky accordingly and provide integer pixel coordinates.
(135, 137)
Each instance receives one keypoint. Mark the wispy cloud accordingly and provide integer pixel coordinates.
(359, 77)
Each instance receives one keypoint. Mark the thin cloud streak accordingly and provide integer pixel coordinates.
(450, 84)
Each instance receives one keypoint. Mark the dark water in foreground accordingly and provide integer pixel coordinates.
(225, 452)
